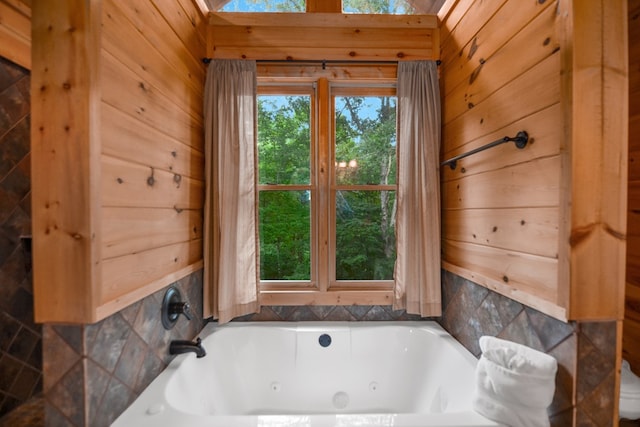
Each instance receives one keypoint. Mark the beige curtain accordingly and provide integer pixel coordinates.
(417, 275)
(230, 229)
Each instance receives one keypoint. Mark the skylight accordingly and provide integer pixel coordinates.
(394, 7)
(265, 6)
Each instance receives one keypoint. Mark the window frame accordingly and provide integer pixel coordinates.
(294, 89)
(338, 90)
(325, 83)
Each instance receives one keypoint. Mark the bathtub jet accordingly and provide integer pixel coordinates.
(315, 374)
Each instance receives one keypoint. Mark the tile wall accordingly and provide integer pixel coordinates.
(586, 351)
(92, 373)
(20, 337)
(331, 313)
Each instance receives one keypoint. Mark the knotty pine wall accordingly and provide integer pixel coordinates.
(544, 225)
(631, 328)
(500, 75)
(152, 158)
(118, 152)
(15, 31)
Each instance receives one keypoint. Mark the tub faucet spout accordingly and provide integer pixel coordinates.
(179, 347)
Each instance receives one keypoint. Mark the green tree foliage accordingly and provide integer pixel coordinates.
(365, 220)
(265, 6)
(378, 6)
(350, 6)
(284, 235)
(284, 139)
(284, 154)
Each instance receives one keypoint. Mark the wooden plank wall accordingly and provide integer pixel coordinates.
(631, 327)
(65, 99)
(500, 74)
(117, 124)
(15, 31)
(545, 225)
(322, 36)
(152, 161)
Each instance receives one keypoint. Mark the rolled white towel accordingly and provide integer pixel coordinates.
(629, 393)
(514, 383)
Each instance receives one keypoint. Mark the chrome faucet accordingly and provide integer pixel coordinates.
(180, 346)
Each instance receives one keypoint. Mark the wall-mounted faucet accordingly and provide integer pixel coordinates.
(179, 347)
(173, 307)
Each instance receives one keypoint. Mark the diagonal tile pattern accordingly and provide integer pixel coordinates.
(94, 372)
(330, 313)
(20, 337)
(585, 351)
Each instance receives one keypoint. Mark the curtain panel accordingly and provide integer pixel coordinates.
(231, 259)
(417, 270)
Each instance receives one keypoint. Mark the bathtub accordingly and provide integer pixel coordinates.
(313, 374)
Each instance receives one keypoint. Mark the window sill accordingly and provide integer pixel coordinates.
(332, 297)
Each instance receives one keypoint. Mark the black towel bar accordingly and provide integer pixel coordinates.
(521, 140)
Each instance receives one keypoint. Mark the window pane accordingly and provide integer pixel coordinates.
(398, 7)
(365, 151)
(365, 235)
(265, 6)
(285, 230)
(284, 139)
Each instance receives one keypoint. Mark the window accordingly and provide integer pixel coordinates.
(327, 184)
(396, 7)
(265, 6)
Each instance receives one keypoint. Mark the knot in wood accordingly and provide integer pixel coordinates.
(151, 180)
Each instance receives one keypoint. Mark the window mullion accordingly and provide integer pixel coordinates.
(323, 174)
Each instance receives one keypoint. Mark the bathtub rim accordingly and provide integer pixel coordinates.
(145, 402)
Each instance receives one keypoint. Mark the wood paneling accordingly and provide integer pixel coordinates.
(135, 190)
(322, 36)
(503, 66)
(631, 325)
(65, 150)
(128, 231)
(528, 230)
(596, 110)
(15, 32)
(539, 67)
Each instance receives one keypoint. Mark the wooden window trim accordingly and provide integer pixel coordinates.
(340, 80)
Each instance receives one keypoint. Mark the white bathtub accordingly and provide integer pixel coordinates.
(278, 374)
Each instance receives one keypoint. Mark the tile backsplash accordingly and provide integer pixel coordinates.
(330, 313)
(94, 372)
(585, 351)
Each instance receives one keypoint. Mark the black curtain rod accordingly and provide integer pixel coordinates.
(313, 61)
(520, 140)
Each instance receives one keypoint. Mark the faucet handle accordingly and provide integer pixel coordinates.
(172, 307)
(182, 307)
